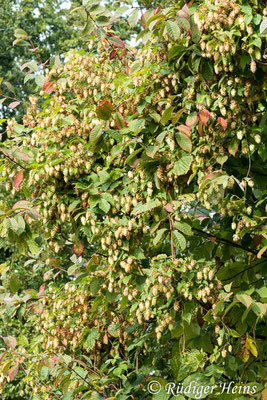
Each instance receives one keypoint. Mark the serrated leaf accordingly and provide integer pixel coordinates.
(142, 208)
(173, 30)
(179, 240)
(182, 166)
(184, 141)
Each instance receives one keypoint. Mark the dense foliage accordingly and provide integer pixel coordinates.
(137, 185)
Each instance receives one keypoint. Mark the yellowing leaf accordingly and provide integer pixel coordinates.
(251, 346)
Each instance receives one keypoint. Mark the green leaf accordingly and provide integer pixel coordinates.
(104, 110)
(192, 119)
(182, 166)
(137, 125)
(183, 24)
(200, 382)
(183, 227)
(102, 20)
(142, 208)
(173, 30)
(40, 80)
(73, 205)
(91, 338)
(95, 285)
(14, 283)
(166, 115)
(244, 299)
(179, 240)
(104, 205)
(133, 18)
(263, 27)
(207, 70)
(175, 51)
(184, 141)
(159, 236)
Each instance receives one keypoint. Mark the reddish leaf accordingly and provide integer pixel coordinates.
(53, 262)
(22, 204)
(184, 12)
(168, 208)
(38, 308)
(21, 155)
(78, 248)
(18, 179)
(13, 372)
(113, 54)
(222, 122)
(136, 162)
(211, 175)
(48, 86)
(42, 288)
(184, 129)
(14, 104)
(120, 121)
(261, 252)
(204, 116)
(49, 362)
(117, 42)
(200, 217)
(104, 110)
(10, 341)
(191, 120)
(54, 277)
(257, 240)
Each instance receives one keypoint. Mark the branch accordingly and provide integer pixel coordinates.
(12, 160)
(243, 270)
(226, 241)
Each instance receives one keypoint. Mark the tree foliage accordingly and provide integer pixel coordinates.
(137, 179)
